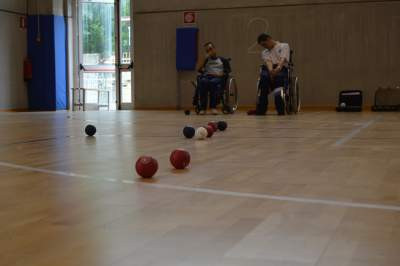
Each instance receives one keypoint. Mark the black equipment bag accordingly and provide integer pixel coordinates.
(387, 100)
(350, 101)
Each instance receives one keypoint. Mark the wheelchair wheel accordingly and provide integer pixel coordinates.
(296, 102)
(196, 98)
(287, 99)
(292, 97)
(230, 97)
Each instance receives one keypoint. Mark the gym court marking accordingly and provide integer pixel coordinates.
(210, 191)
(354, 133)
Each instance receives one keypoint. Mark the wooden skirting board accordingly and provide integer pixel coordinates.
(241, 108)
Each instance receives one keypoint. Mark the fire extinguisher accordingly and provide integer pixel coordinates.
(27, 69)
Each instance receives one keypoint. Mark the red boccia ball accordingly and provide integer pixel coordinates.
(180, 159)
(214, 126)
(210, 131)
(146, 166)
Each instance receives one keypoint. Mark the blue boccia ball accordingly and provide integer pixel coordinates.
(189, 132)
(90, 130)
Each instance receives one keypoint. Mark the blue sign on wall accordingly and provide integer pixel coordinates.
(186, 48)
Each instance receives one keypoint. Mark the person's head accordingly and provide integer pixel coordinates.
(209, 47)
(266, 41)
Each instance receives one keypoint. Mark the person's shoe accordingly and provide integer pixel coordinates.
(202, 112)
(214, 111)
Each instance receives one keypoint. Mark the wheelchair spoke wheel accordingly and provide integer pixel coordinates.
(230, 100)
(296, 96)
(292, 97)
(288, 104)
(196, 98)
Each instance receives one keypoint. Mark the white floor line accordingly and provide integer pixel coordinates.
(277, 198)
(111, 180)
(353, 133)
(214, 191)
(128, 182)
(41, 170)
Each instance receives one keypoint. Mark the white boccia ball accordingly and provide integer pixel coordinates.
(201, 133)
(343, 105)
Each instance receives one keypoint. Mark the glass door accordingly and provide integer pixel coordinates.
(125, 55)
(105, 66)
(97, 55)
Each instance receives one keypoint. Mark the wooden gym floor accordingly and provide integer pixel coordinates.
(317, 189)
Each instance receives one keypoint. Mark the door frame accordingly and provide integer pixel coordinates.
(123, 67)
(119, 67)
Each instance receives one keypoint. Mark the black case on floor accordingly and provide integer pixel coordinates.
(350, 101)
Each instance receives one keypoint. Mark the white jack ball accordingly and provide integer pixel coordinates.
(201, 133)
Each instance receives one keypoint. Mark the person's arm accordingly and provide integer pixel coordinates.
(285, 57)
(269, 65)
(267, 61)
(201, 64)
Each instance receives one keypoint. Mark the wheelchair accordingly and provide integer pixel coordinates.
(291, 92)
(227, 96)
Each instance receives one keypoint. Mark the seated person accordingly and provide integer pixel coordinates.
(214, 70)
(274, 74)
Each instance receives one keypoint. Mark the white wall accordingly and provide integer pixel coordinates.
(13, 93)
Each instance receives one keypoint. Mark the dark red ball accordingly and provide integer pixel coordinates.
(214, 126)
(210, 131)
(180, 159)
(146, 166)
